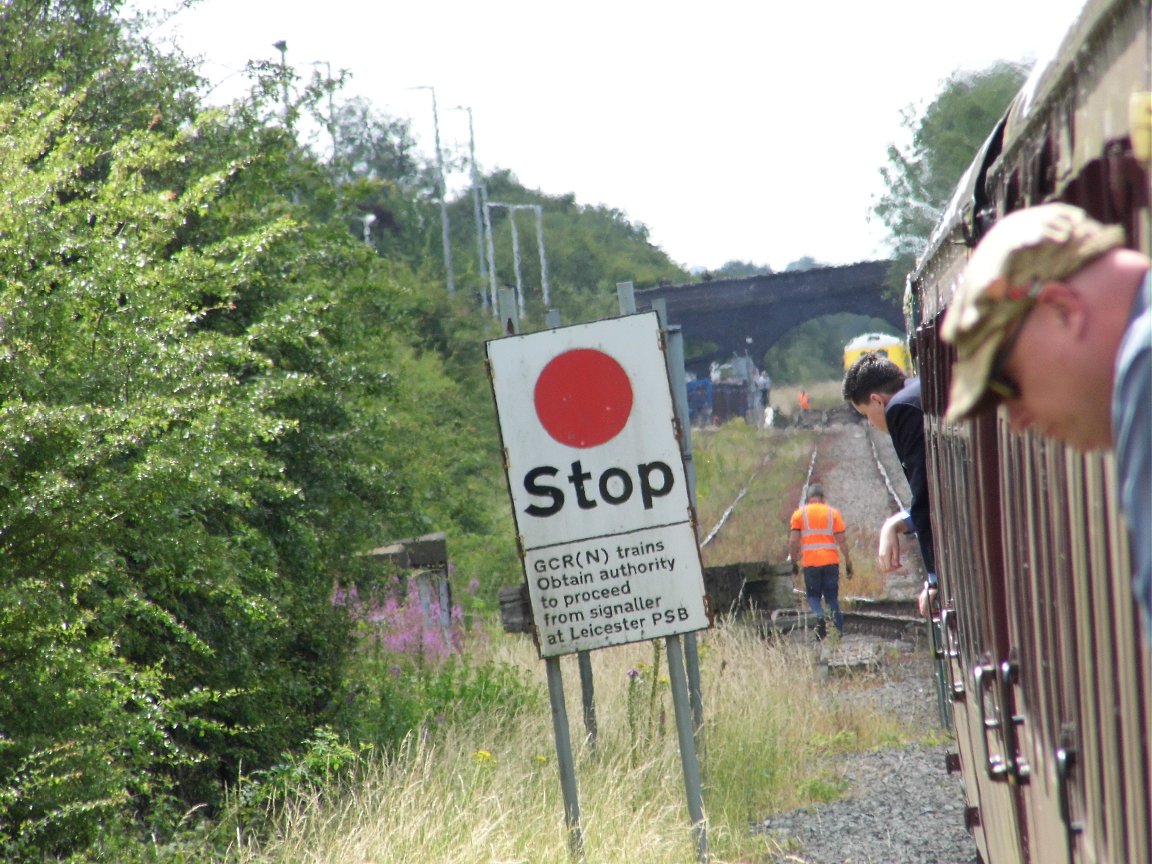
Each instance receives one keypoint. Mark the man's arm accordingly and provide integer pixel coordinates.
(906, 428)
(888, 551)
(842, 541)
(794, 546)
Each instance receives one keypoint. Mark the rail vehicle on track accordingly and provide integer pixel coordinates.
(1049, 680)
(892, 347)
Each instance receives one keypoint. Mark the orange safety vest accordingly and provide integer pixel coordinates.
(818, 525)
(804, 401)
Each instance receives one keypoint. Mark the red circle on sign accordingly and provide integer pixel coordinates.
(583, 398)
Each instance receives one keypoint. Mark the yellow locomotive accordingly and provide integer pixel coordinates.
(893, 347)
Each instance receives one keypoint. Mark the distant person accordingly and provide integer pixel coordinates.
(804, 404)
(878, 389)
(816, 542)
(1053, 319)
(764, 385)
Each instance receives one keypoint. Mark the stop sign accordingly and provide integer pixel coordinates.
(597, 484)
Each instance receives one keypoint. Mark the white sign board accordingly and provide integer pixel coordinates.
(597, 483)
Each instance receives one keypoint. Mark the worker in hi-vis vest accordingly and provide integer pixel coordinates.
(816, 542)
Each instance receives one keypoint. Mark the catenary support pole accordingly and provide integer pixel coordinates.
(474, 172)
(543, 258)
(445, 232)
(506, 309)
(516, 259)
(491, 244)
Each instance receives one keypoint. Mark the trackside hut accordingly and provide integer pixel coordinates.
(597, 484)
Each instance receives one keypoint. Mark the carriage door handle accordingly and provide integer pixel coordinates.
(1011, 766)
(1065, 767)
(1018, 768)
(984, 677)
(950, 651)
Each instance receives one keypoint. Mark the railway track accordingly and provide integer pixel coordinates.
(851, 465)
(891, 624)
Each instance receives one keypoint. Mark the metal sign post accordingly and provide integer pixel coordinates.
(564, 758)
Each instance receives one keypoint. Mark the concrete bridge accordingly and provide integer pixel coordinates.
(718, 317)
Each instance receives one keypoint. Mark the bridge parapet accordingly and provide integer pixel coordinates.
(717, 317)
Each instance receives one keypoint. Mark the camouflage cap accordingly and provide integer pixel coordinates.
(1022, 252)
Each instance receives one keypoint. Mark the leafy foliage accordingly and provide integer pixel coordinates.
(740, 269)
(921, 176)
(198, 429)
(814, 351)
(588, 250)
(214, 395)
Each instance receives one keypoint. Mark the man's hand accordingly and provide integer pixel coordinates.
(888, 551)
(928, 601)
(848, 569)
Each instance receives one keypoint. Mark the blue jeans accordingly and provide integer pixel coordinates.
(824, 583)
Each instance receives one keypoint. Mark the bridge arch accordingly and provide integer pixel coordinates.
(718, 317)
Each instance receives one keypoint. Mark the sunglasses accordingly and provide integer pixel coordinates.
(999, 381)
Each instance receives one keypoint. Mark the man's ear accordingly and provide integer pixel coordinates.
(1067, 303)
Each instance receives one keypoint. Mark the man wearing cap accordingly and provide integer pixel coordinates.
(1053, 319)
(816, 540)
(878, 389)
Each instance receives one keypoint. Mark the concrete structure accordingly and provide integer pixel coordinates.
(718, 317)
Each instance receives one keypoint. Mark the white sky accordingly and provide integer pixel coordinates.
(733, 129)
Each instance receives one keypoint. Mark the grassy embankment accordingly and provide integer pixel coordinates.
(485, 788)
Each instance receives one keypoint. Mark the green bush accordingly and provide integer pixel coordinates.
(396, 694)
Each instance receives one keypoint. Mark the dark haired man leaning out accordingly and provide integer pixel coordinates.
(878, 389)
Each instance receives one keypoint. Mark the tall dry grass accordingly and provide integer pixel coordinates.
(487, 791)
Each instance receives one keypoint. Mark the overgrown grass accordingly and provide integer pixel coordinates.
(476, 779)
(486, 789)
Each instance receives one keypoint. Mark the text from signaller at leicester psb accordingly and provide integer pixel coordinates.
(581, 600)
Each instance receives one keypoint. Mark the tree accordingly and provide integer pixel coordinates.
(740, 269)
(213, 397)
(804, 262)
(920, 178)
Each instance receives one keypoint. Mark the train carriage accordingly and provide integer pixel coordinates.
(1049, 680)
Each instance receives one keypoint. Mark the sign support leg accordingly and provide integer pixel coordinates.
(587, 696)
(695, 697)
(564, 758)
(685, 733)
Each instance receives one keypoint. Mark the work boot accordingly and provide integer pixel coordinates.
(821, 630)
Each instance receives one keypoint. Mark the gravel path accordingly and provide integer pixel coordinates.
(902, 806)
